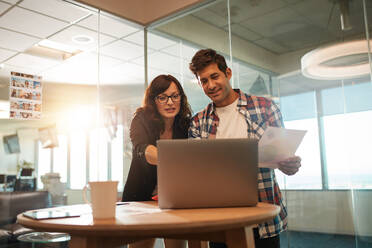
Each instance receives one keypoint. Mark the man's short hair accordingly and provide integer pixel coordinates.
(204, 58)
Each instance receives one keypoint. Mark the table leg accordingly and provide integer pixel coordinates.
(197, 244)
(240, 238)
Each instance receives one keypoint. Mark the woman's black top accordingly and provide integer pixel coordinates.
(142, 177)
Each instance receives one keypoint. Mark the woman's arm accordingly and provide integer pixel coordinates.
(141, 140)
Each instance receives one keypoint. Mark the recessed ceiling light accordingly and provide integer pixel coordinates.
(57, 46)
(82, 39)
(52, 50)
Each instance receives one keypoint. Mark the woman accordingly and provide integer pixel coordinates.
(165, 114)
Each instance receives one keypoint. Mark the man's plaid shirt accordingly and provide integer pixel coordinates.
(259, 112)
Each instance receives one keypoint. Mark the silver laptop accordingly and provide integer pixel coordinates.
(207, 173)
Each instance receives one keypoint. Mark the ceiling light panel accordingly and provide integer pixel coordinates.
(5, 54)
(109, 26)
(4, 7)
(16, 41)
(57, 46)
(65, 37)
(122, 50)
(29, 22)
(34, 63)
(58, 9)
(154, 41)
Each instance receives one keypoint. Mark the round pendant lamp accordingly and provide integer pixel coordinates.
(344, 60)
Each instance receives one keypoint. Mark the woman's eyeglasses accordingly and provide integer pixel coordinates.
(163, 99)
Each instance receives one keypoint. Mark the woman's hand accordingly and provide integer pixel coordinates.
(151, 154)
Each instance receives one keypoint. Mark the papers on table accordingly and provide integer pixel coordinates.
(277, 144)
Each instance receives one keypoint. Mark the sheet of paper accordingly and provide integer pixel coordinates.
(277, 144)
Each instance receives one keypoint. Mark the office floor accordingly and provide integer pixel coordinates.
(292, 239)
(314, 240)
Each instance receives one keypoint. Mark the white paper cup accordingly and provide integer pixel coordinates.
(103, 196)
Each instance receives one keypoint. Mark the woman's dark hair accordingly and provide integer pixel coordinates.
(158, 85)
(204, 58)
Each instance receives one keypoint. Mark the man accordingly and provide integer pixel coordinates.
(233, 114)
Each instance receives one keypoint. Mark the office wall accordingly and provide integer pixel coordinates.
(8, 162)
(57, 100)
(341, 212)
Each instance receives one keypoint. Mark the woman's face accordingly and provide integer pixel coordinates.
(168, 103)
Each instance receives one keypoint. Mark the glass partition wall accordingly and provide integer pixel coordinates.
(90, 89)
(93, 73)
(328, 198)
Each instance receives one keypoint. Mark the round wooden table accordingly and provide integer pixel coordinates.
(141, 220)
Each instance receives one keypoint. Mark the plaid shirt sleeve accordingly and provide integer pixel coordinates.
(274, 115)
(194, 129)
(268, 112)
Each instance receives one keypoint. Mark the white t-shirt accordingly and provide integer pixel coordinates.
(232, 124)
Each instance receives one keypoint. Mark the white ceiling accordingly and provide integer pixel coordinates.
(279, 26)
(121, 44)
(282, 26)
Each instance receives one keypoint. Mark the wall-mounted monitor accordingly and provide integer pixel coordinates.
(11, 144)
(48, 137)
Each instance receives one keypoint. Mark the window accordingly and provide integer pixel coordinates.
(345, 123)
(309, 176)
(44, 163)
(348, 146)
(299, 112)
(78, 159)
(60, 158)
(117, 162)
(98, 162)
(348, 135)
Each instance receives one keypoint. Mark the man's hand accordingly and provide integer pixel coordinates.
(290, 166)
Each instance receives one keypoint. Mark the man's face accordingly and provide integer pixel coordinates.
(215, 84)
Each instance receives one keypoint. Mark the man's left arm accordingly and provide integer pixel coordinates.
(194, 129)
(291, 165)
